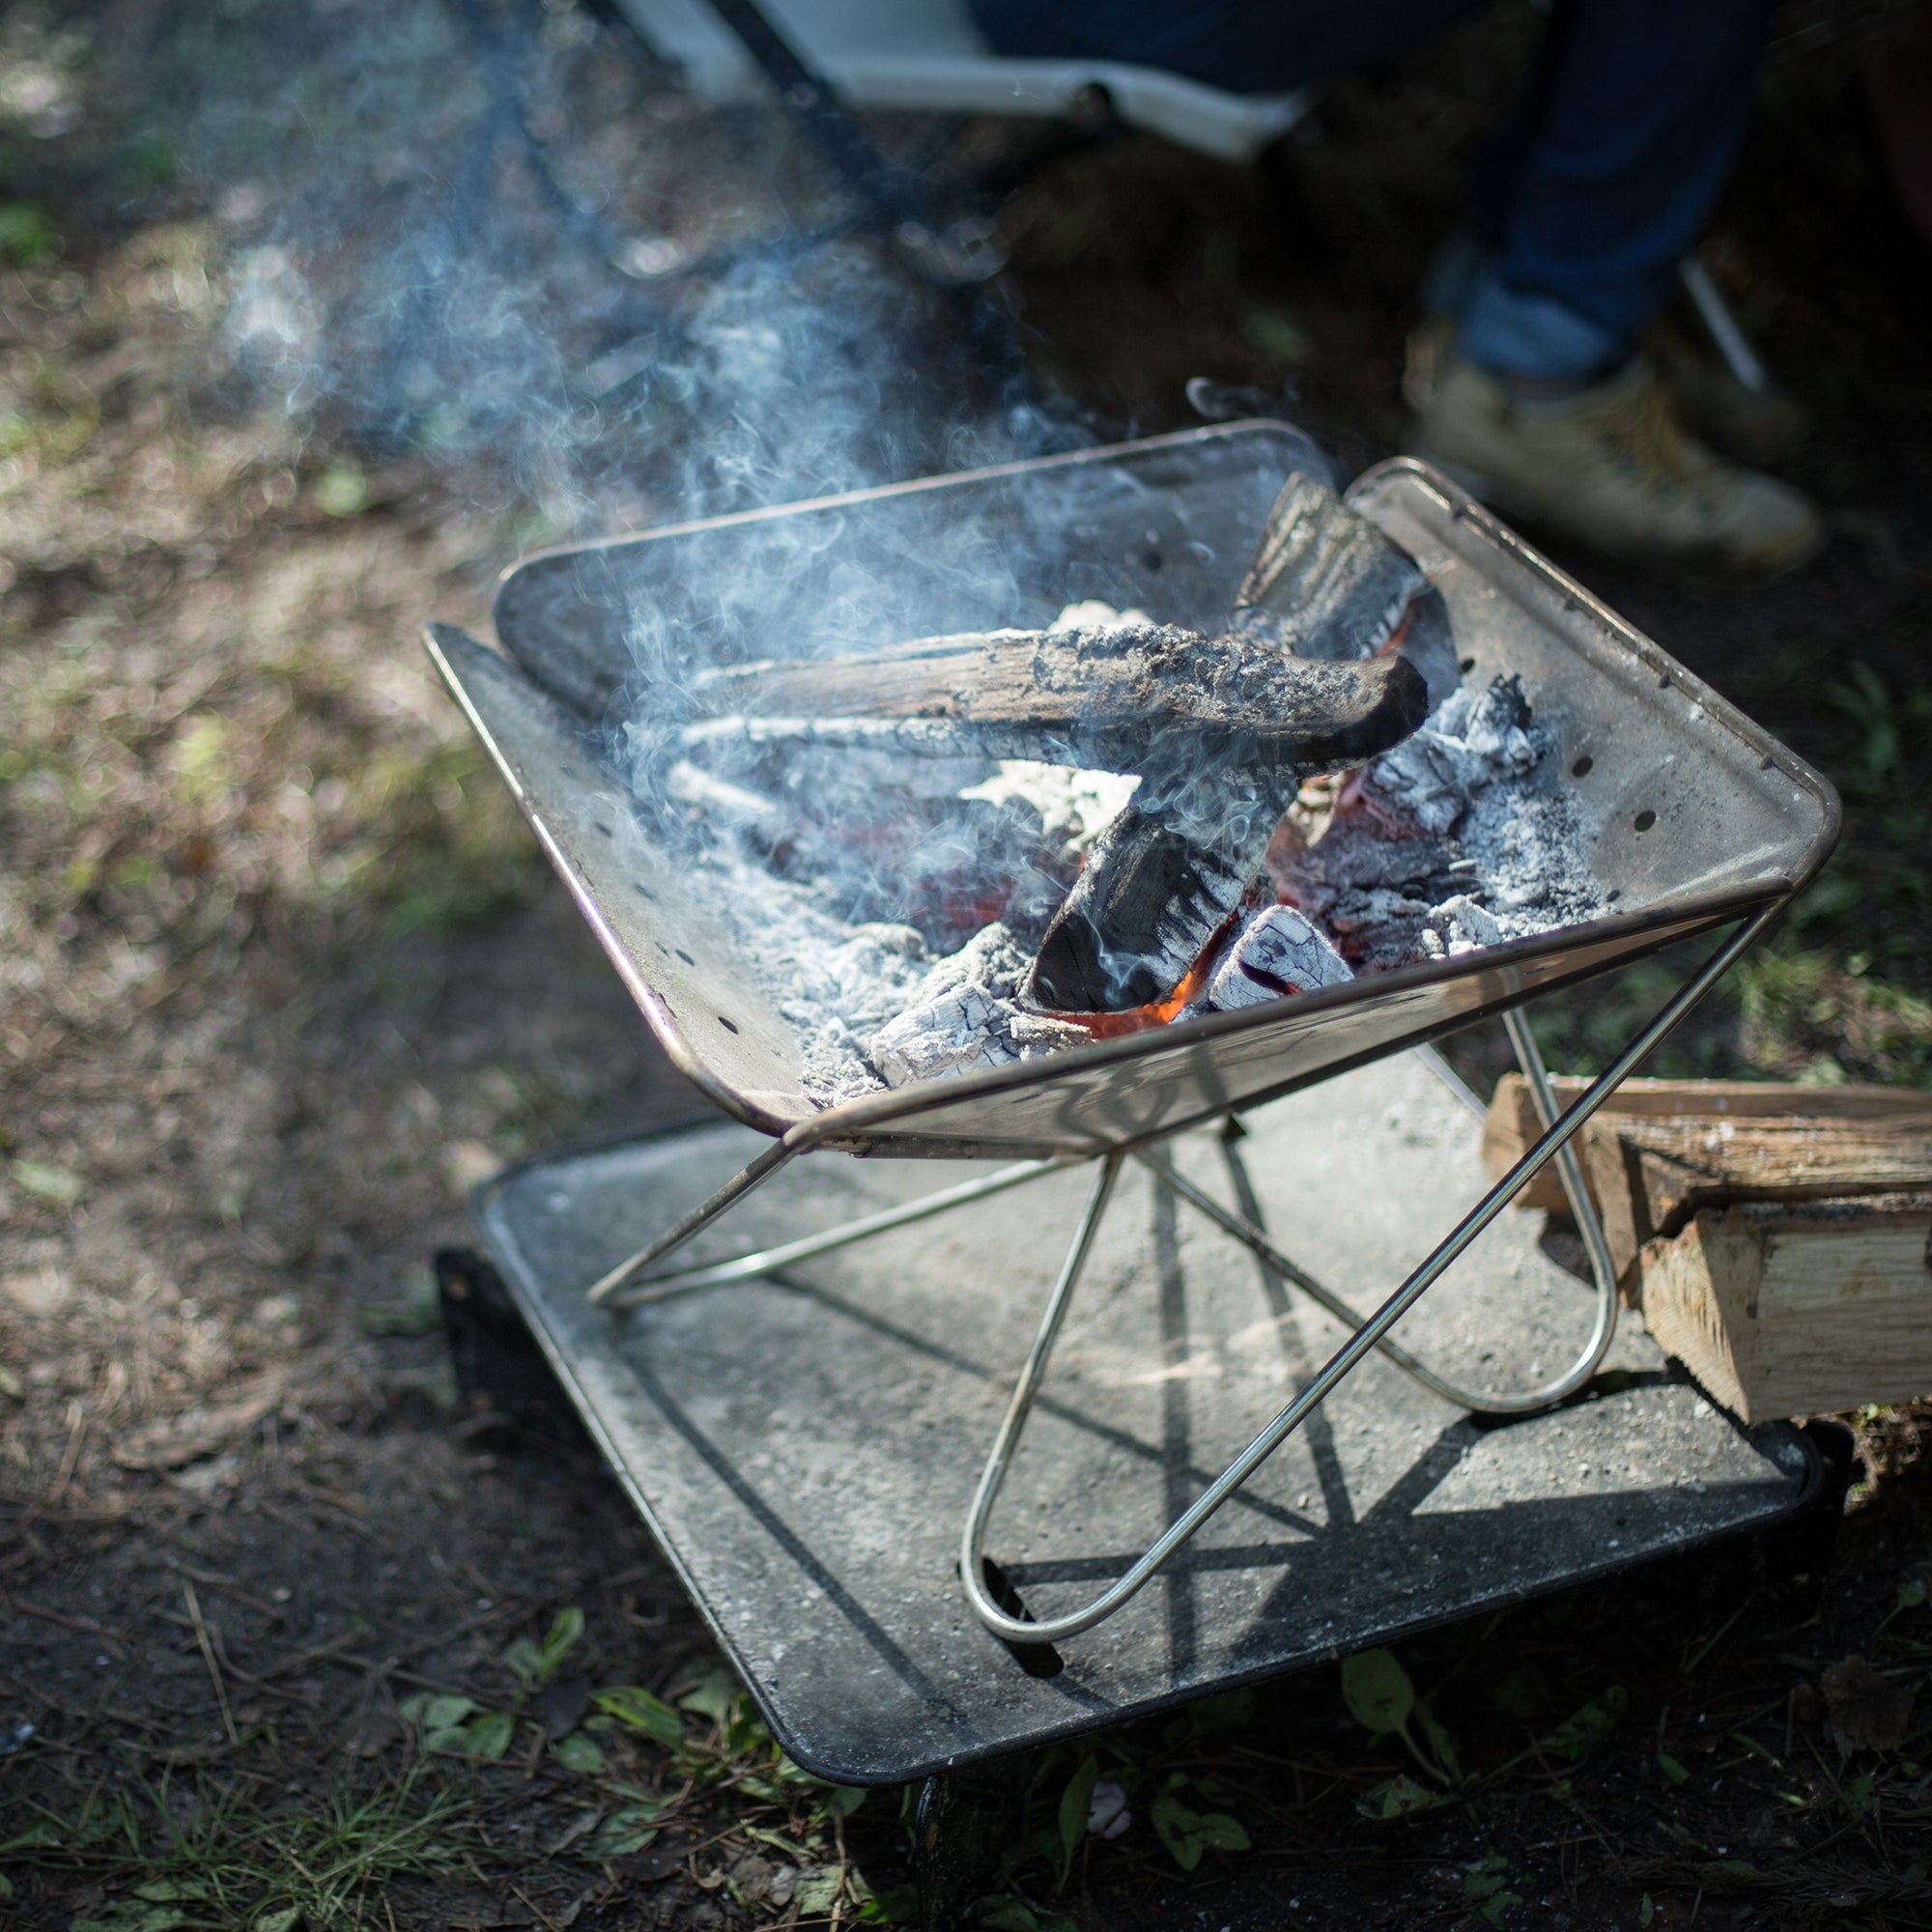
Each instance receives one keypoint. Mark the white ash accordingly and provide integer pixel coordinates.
(1092, 614)
(1279, 950)
(1073, 806)
(1463, 843)
(1458, 924)
(963, 1017)
(1493, 850)
(1471, 740)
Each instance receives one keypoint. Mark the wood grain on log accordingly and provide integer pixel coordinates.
(1116, 697)
(1659, 1149)
(1785, 1308)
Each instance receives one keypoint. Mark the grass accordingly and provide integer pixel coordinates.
(240, 1860)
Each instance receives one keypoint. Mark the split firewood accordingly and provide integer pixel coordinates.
(1120, 699)
(1661, 1151)
(1325, 583)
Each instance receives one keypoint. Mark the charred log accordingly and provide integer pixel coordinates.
(1327, 584)
(1119, 699)
(1147, 907)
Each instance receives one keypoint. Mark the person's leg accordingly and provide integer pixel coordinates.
(1246, 46)
(1606, 177)
(1534, 392)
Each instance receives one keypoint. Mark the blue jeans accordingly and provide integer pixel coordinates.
(1601, 182)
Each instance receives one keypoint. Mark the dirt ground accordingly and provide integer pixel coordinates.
(289, 1635)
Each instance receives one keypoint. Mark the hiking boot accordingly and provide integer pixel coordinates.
(1613, 464)
(1752, 426)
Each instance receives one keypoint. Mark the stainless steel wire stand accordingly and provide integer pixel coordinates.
(620, 1289)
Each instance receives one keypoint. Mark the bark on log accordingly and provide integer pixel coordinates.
(1114, 699)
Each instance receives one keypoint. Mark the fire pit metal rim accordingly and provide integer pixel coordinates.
(1498, 979)
(857, 1123)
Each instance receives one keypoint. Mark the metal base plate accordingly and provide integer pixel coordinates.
(805, 1449)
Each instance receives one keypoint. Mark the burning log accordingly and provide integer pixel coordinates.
(1145, 908)
(1116, 700)
(1278, 952)
(1159, 887)
(1327, 584)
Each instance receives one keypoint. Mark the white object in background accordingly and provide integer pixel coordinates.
(926, 56)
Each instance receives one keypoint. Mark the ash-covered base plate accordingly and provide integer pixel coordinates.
(806, 1450)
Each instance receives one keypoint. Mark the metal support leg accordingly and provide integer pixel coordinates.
(1721, 325)
(768, 1260)
(1339, 1366)
(1525, 1402)
(701, 1217)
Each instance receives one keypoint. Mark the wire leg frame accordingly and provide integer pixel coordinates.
(620, 1289)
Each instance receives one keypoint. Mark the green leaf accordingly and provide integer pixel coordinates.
(283, 1920)
(1488, 1879)
(1007, 1913)
(1076, 1802)
(1911, 1594)
(1645, 1911)
(1487, 1887)
(1672, 1769)
(712, 1694)
(1582, 1732)
(566, 1628)
(629, 1704)
(522, 1660)
(1004, 1912)
(126, 1915)
(1398, 1796)
(1377, 1690)
(6, 1886)
(841, 1801)
(627, 1831)
(435, 1711)
(170, 1890)
(577, 1753)
(816, 1893)
(41, 1838)
(1187, 1834)
(487, 1735)
(1222, 1834)
(1179, 1828)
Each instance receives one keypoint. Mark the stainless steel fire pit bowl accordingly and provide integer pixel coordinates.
(1696, 820)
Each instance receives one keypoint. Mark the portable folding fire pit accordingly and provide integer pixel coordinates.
(795, 1432)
